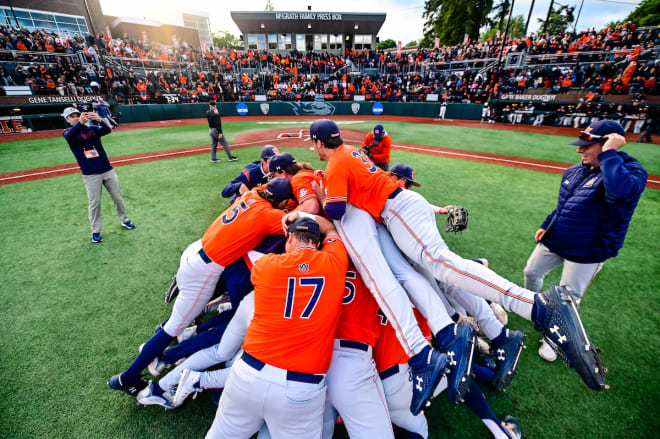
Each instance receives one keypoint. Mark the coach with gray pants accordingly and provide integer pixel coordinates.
(84, 138)
(215, 131)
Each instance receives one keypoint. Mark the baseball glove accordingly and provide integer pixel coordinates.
(457, 219)
(172, 291)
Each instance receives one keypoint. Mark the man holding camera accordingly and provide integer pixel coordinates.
(84, 139)
(377, 145)
(597, 199)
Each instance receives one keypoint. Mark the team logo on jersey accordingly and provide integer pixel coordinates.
(303, 268)
(331, 240)
(303, 192)
(355, 108)
(567, 182)
(590, 182)
(265, 108)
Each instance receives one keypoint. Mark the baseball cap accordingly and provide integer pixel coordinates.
(268, 151)
(69, 111)
(406, 171)
(323, 129)
(281, 161)
(379, 132)
(597, 130)
(280, 189)
(305, 225)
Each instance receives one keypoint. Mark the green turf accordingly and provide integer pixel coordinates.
(73, 313)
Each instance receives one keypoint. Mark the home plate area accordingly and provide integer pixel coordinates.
(293, 138)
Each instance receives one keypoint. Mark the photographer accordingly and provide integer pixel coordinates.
(377, 145)
(84, 139)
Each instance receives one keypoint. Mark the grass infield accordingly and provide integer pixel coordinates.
(73, 313)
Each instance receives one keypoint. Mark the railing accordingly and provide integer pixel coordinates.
(46, 58)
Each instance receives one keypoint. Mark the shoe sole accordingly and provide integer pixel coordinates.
(127, 227)
(466, 378)
(503, 382)
(545, 356)
(152, 401)
(178, 398)
(585, 358)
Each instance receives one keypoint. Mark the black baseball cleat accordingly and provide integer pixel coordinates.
(559, 322)
(459, 359)
(506, 356)
(132, 389)
(426, 370)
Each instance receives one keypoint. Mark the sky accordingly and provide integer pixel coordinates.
(404, 20)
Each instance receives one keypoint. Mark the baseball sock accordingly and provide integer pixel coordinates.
(152, 349)
(420, 359)
(538, 310)
(497, 341)
(203, 339)
(476, 401)
(157, 390)
(483, 373)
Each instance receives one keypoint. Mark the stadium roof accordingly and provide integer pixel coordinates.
(308, 22)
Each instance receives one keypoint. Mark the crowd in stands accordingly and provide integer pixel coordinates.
(628, 67)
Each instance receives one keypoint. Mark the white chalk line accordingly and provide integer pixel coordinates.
(412, 148)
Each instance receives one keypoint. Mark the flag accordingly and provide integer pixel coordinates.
(466, 39)
(144, 36)
(437, 43)
(399, 46)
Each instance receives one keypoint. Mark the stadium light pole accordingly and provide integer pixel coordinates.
(578, 17)
(547, 18)
(529, 17)
(506, 31)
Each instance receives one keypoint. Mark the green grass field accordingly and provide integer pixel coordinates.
(74, 313)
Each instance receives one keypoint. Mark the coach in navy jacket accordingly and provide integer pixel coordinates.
(597, 199)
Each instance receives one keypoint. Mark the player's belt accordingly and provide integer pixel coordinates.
(290, 375)
(395, 193)
(204, 256)
(389, 372)
(354, 345)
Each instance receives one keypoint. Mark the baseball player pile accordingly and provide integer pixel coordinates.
(332, 293)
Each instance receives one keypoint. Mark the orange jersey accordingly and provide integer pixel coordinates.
(301, 183)
(357, 321)
(351, 176)
(297, 302)
(241, 228)
(381, 152)
(388, 351)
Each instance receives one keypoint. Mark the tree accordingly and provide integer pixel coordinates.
(222, 38)
(412, 43)
(450, 20)
(269, 6)
(386, 44)
(516, 29)
(646, 14)
(560, 19)
(500, 14)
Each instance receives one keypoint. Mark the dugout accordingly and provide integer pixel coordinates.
(285, 31)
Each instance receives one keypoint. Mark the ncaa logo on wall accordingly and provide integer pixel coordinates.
(265, 108)
(241, 109)
(355, 108)
(377, 108)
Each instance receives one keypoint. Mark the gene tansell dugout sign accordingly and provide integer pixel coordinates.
(31, 100)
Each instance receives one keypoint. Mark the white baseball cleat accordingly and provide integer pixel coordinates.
(157, 366)
(188, 383)
(500, 313)
(146, 396)
(186, 334)
(546, 352)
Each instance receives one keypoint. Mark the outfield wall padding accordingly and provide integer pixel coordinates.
(153, 112)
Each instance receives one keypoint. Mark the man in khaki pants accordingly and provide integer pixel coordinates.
(84, 138)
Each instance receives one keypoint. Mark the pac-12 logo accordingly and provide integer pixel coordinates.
(303, 268)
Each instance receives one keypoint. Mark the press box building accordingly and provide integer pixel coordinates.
(334, 32)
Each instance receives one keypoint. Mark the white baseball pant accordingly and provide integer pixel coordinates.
(197, 280)
(230, 344)
(358, 231)
(290, 409)
(355, 390)
(420, 291)
(411, 222)
(574, 275)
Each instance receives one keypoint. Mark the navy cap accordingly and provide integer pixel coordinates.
(600, 128)
(280, 162)
(379, 132)
(406, 171)
(323, 129)
(305, 225)
(269, 151)
(280, 189)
